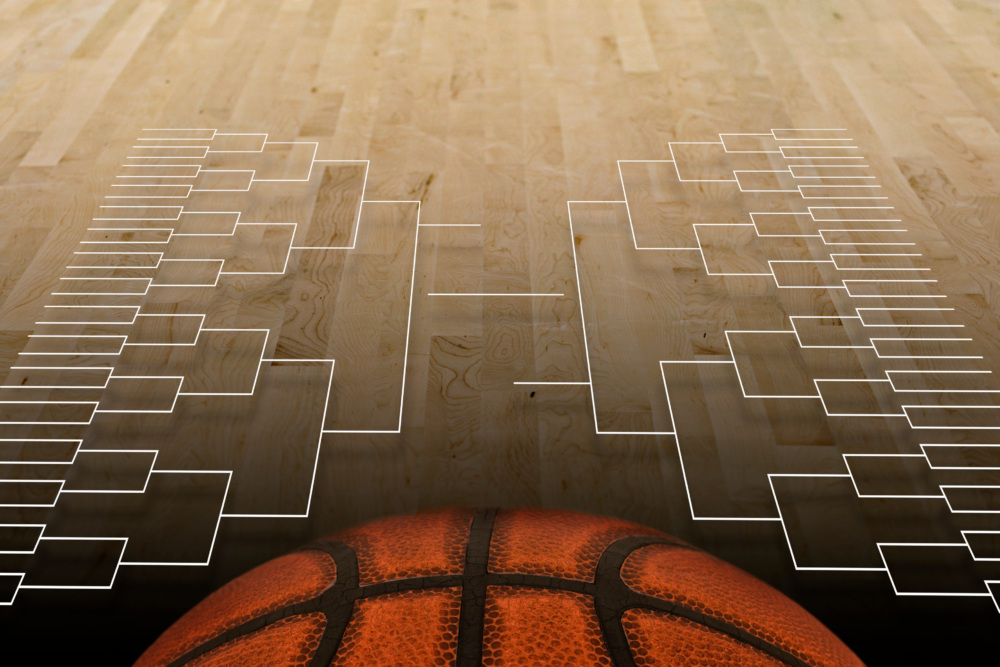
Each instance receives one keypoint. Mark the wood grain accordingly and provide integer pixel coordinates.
(485, 119)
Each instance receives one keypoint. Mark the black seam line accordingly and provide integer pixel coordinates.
(474, 582)
(334, 602)
(608, 593)
(614, 597)
(337, 602)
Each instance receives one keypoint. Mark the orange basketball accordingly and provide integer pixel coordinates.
(507, 587)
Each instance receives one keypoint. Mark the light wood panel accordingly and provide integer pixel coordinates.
(308, 310)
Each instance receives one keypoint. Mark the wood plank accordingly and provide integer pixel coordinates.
(732, 129)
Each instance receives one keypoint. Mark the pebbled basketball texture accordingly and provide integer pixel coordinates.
(498, 587)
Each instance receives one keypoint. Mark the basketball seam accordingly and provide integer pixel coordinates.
(611, 595)
(609, 586)
(346, 563)
(474, 585)
(337, 602)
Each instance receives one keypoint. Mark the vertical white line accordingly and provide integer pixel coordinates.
(583, 321)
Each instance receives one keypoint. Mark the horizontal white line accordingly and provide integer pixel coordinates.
(492, 294)
(534, 382)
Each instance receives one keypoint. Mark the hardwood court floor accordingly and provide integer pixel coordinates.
(350, 259)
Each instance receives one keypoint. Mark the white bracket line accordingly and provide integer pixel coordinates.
(493, 293)
(218, 522)
(319, 446)
(896, 590)
(788, 540)
(361, 203)
(680, 453)
(832, 166)
(586, 345)
(409, 316)
(545, 382)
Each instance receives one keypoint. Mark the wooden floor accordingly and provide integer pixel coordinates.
(269, 269)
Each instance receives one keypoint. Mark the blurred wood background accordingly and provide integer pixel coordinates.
(493, 114)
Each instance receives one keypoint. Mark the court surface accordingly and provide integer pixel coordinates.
(727, 269)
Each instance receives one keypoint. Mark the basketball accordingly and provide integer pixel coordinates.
(498, 587)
